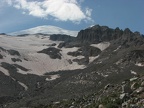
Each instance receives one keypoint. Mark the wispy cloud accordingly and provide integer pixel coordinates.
(63, 10)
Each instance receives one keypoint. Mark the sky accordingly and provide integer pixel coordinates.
(16, 15)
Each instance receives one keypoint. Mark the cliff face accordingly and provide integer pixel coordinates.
(98, 34)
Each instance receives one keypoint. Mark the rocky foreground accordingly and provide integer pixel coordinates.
(127, 94)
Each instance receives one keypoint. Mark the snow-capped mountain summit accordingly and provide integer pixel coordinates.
(46, 29)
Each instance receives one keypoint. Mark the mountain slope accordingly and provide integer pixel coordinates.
(46, 30)
(31, 56)
(45, 69)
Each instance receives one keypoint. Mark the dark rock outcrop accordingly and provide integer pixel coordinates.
(85, 51)
(8, 67)
(20, 67)
(83, 61)
(60, 37)
(70, 44)
(13, 52)
(75, 53)
(16, 60)
(54, 53)
(62, 44)
(1, 57)
(53, 44)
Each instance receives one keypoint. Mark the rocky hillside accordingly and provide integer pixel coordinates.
(127, 94)
(83, 71)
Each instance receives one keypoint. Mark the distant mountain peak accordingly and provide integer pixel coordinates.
(46, 29)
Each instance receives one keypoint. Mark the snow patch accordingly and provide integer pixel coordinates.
(139, 64)
(21, 71)
(52, 77)
(4, 71)
(91, 59)
(133, 72)
(23, 85)
(117, 49)
(102, 46)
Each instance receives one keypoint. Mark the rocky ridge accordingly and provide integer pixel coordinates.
(97, 34)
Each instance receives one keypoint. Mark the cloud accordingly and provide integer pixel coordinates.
(63, 10)
(88, 12)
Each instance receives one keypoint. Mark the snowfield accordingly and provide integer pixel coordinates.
(36, 63)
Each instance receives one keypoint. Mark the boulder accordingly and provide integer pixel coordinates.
(101, 106)
(122, 96)
(140, 90)
(125, 105)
